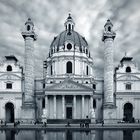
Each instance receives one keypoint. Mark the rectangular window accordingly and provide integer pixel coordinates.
(128, 86)
(8, 85)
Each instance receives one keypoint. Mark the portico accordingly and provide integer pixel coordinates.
(76, 107)
(71, 101)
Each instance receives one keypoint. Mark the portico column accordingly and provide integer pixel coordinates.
(63, 106)
(83, 104)
(46, 107)
(74, 106)
(54, 100)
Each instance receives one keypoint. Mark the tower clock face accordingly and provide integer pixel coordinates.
(69, 46)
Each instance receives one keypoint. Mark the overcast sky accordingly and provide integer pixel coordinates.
(89, 16)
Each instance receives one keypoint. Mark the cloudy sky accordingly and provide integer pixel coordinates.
(89, 15)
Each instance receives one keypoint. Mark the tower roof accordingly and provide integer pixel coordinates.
(11, 57)
(29, 21)
(108, 23)
(126, 58)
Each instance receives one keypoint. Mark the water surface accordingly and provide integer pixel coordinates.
(70, 135)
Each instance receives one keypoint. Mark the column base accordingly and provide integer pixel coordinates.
(109, 105)
(28, 113)
(93, 120)
(109, 114)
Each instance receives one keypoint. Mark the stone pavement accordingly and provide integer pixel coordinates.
(72, 126)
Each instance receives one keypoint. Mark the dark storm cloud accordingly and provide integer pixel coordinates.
(90, 16)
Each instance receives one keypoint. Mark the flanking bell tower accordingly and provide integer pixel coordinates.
(108, 39)
(28, 99)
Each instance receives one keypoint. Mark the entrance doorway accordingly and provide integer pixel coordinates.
(69, 112)
(128, 112)
(9, 107)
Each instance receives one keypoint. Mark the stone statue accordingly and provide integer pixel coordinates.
(92, 113)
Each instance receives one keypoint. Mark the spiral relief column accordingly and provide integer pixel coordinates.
(29, 100)
(108, 39)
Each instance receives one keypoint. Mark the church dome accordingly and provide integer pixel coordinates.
(69, 35)
(73, 36)
(69, 54)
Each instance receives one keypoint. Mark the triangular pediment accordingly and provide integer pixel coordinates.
(128, 77)
(70, 85)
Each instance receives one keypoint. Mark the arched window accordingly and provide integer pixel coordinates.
(69, 46)
(51, 51)
(128, 69)
(28, 27)
(128, 112)
(9, 112)
(9, 68)
(69, 67)
(86, 51)
(43, 85)
(89, 55)
(87, 70)
(109, 29)
(94, 86)
(43, 103)
(94, 103)
(69, 27)
(51, 70)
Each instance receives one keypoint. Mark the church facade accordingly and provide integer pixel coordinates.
(69, 89)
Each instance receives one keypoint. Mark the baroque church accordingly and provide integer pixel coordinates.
(69, 89)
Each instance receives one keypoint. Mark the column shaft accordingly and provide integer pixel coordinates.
(63, 106)
(74, 106)
(46, 107)
(83, 109)
(108, 72)
(54, 99)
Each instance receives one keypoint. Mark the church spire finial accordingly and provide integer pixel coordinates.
(69, 14)
(69, 24)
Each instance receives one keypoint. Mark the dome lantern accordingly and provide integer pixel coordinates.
(69, 24)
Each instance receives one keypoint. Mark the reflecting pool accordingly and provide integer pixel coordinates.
(70, 135)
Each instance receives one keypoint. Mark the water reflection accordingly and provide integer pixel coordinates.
(70, 135)
(10, 135)
(128, 135)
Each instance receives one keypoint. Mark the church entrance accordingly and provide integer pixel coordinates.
(69, 112)
(128, 112)
(9, 108)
